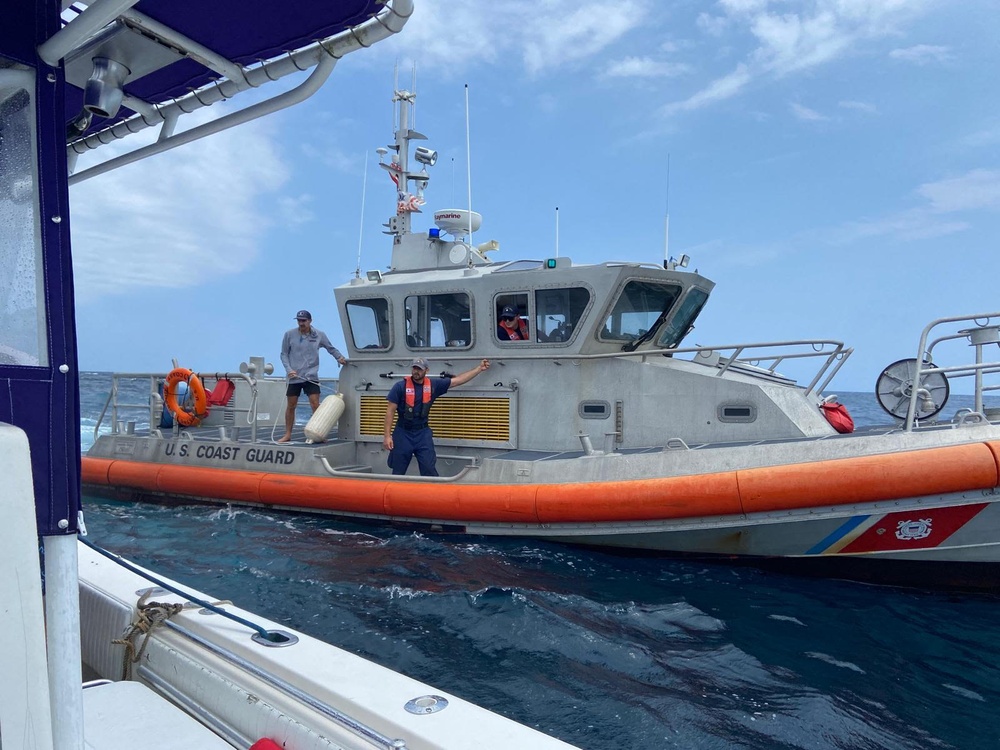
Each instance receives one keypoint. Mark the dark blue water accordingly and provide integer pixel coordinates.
(600, 650)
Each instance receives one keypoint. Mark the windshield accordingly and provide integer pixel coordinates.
(683, 320)
(637, 310)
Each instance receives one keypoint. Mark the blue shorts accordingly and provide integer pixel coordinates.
(294, 389)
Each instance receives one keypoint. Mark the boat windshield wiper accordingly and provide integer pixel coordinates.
(635, 343)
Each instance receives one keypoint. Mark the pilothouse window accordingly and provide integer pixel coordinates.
(438, 320)
(641, 306)
(558, 311)
(512, 317)
(682, 323)
(369, 323)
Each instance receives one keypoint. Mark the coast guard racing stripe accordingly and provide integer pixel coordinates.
(904, 530)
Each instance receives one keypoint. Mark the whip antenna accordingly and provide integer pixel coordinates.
(666, 221)
(361, 230)
(557, 231)
(468, 158)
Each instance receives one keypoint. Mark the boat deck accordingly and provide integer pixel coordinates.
(243, 437)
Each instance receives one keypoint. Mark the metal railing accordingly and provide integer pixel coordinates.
(124, 414)
(980, 335)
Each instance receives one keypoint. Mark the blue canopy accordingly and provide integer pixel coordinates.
(39, 384)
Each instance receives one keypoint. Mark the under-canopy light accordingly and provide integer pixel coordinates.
(103, 93)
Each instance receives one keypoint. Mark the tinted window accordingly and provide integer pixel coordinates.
(558, 312)
(683, 320)
(438, 320)
(638, 309)
(369, 323)
(514, 328)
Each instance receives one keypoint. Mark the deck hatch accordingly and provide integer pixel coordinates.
(458, 420)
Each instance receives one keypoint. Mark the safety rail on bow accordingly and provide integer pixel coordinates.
(983, 332)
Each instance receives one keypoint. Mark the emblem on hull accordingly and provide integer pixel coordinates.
(914, 529)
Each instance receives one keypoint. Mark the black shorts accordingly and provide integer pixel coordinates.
(294, 389)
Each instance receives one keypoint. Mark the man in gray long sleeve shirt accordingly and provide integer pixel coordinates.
(300, 356)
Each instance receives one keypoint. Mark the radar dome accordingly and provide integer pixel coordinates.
(457, 221)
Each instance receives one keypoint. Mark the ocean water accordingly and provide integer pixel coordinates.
(601, 650)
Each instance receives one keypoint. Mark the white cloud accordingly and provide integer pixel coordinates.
(804, 113)
(171, 223)
(644, 67)
(718, 90)
(922, 54)
(784, 42)
(449, 35)
(985, 138)
(573, 33)
(294, 210)
(915, 224)
(975, 190)
(858, 106)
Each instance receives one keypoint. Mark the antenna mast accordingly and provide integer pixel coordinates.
(468, 158)
(404, 103)
(361, 230)
(557, 231)
(666, 221)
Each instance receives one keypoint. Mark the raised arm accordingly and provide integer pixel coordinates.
(465, 377)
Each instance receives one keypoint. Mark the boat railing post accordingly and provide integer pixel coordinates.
(114, 403)
(62, 617)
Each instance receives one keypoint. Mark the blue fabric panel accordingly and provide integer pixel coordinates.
(42, 401)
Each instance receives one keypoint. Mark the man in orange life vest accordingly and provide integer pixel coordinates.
(511, 327)
(411, 399)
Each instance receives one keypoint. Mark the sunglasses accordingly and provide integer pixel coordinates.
(506, 317)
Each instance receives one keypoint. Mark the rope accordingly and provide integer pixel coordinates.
(147, 618)
(280, 417)
(260, 630)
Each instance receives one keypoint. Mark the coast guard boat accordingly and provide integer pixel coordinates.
(163, 665)
(596, 426)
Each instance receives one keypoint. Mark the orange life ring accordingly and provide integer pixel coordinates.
(197, 391)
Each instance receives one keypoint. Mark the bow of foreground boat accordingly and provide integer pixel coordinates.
(247, 678)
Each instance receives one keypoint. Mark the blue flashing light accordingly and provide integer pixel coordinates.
(433, 233)
(550, 263)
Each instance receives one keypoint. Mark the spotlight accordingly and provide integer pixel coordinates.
(103, 93)
(426, 156)
(375, 276)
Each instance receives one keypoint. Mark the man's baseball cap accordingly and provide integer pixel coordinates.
(421, 363)
(508, 312)
(303, 315)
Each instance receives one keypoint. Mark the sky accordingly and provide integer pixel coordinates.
(833, 168)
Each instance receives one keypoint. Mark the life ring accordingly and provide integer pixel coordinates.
(197, 391)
